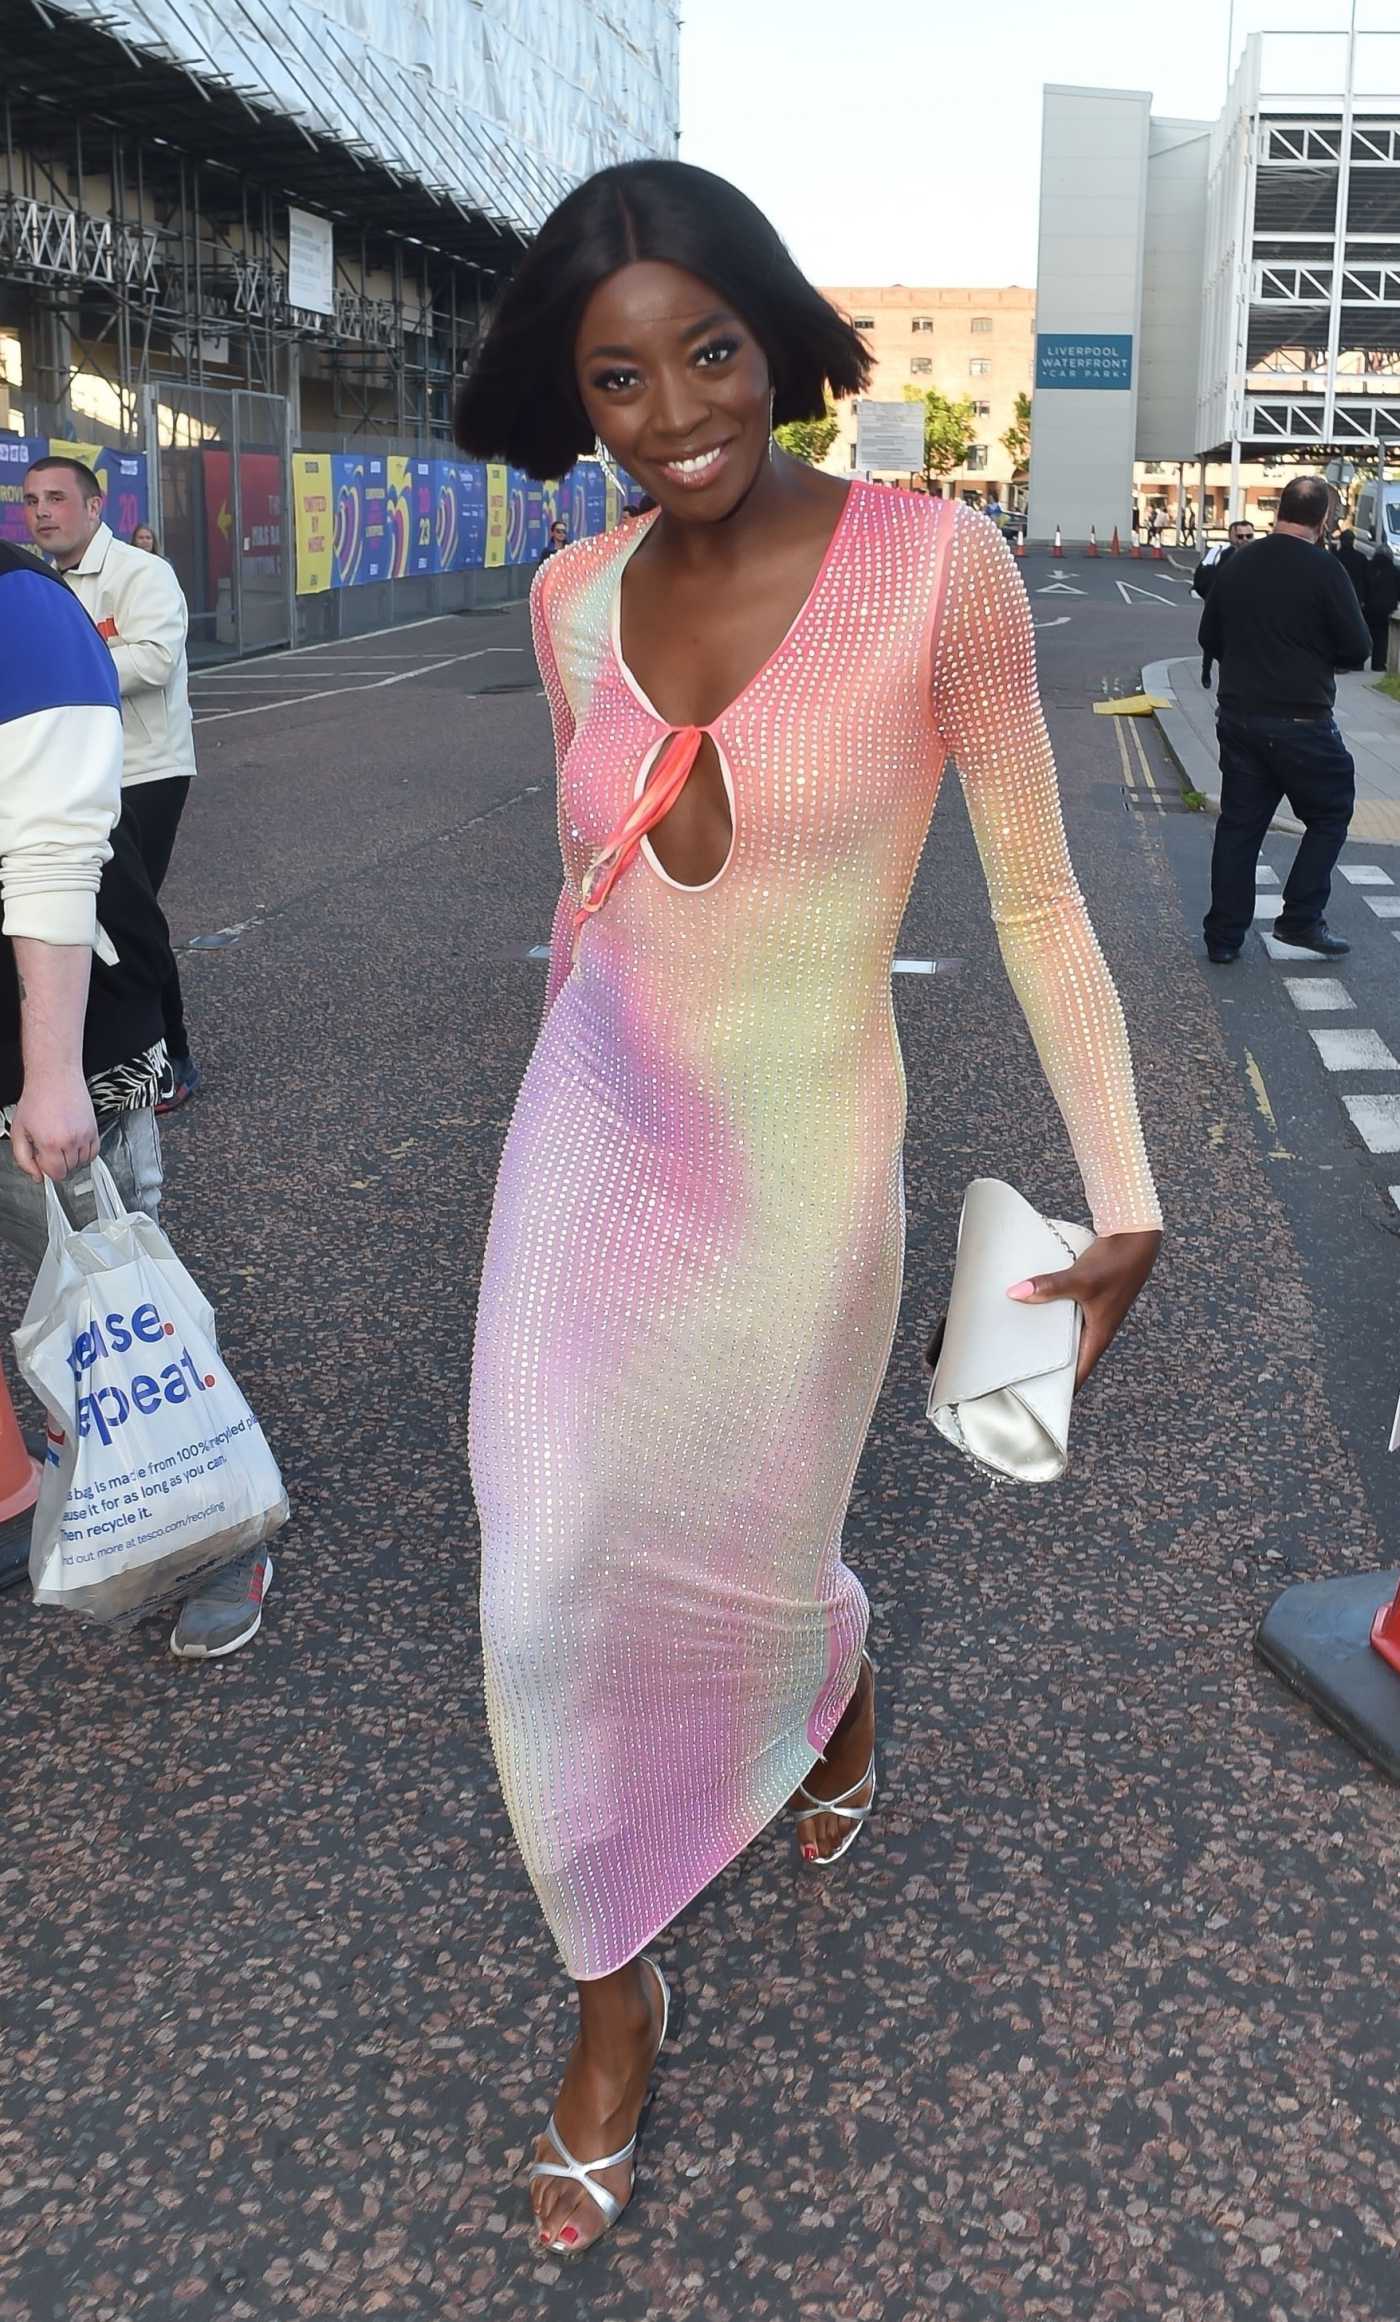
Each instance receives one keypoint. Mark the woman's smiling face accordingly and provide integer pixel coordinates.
(677, 388)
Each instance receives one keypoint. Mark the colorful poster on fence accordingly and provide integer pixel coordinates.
(216, 468)
(595, 499)
(313, 492)
(497, 512)
(128, 498)
(361, 519)
(412, 531)
(17, 453)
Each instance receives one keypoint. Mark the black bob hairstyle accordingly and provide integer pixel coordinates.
(520, 400)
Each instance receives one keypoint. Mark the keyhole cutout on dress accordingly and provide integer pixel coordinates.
(694, 839)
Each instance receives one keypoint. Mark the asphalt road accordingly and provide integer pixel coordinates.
(1098, 2019)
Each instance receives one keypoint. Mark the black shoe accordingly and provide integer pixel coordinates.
(1220, 954)
(1314, 938)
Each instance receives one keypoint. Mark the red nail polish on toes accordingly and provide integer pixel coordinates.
(569, 2234)
(809, 1854)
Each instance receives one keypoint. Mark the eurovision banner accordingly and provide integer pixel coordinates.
(413, 549)
(361, 518)
(313, 492)
(395, 518)
(497, 512)
(125, 482)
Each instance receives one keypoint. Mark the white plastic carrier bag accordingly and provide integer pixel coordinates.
(156, 1472)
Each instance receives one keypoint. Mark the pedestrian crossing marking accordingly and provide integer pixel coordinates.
(1354, 1052)
(1376, 1120)
(1294, 953)
(1264, 877)
(1316, 994)
(1384, 906)
(1267, 906)
(1365, 875)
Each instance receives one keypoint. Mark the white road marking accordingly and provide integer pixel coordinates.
(1354, 1052)
(1395, 1195)
(1366, 875)
(327, 693)
(1384, 906)
(1127, 590)
(538, 951)
(1376, 1120)
(914, 967)
(1315, 994)
(1264, 877)
(1059, 589)
(1267, 906)
(1058, 623)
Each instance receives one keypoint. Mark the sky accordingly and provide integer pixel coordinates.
(899, 140)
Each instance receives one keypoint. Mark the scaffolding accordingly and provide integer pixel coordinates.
(152, 150)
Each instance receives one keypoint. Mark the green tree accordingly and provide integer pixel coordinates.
(809, 439)
(949, 430)
(1017, 438)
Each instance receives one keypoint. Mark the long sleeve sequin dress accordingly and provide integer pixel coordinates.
(695, 1254)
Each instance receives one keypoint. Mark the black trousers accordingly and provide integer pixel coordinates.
(1264, 760)
(1380, 638)
(152, 811)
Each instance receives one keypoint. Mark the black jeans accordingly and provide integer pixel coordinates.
(1264, 760)
(152, 811)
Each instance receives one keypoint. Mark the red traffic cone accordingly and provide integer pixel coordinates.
(19, 1474)
(1020, 544)
(1093, 547)
(1136, 549)
(1158, 552)
(1114, 546)
(1385, 1633)
(1059, 547)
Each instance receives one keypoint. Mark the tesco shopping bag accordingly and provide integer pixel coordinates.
(156, 1472)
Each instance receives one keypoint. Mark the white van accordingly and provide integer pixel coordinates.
(1377, 502)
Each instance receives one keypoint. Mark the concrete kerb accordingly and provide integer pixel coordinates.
(1199, 767)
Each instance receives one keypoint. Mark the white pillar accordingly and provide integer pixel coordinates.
(1235, 510)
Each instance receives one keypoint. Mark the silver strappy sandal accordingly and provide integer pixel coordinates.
(808, 1806)
(581, 2172)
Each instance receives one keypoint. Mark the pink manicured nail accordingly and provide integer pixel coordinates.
(569, 2234)
(809, 1854)
(1021, 1290)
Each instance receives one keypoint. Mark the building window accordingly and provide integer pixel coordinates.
(976, 457)
(981, 322)
(979, 367)
(863, 322)
(922, 322)
(982, 410)
(920, 363)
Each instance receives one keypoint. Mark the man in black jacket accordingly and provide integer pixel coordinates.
(1281, 618)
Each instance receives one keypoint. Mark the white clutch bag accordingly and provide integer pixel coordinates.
(1003, 1373)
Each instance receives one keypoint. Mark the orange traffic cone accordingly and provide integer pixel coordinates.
(1093, 547)
(1020, 544)
(1136, 549)
(1059, 547)
(1158, 552)
(1114, 548)
(1385, 1633)
(19, 1474)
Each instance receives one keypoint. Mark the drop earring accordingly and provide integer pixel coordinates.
(772, 433)
(606, 462)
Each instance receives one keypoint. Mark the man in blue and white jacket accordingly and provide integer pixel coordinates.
(84, 961)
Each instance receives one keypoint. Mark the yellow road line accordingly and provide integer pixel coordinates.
(1147, 774)
(1128, 782)
(1261, 1099)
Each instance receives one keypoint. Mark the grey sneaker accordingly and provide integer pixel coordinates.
(227, 1611)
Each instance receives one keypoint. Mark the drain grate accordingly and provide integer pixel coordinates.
(509, 685)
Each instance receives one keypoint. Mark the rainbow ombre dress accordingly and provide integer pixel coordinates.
(695, 1254)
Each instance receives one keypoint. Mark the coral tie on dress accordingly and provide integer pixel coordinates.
(668, 780)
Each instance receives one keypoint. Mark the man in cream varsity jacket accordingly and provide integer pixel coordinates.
(84, 960)
(137, 604)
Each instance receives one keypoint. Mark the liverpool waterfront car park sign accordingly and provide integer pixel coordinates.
(1072, 359)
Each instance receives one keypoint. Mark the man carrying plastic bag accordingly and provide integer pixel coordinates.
(157, 1472)
(81, 1053)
